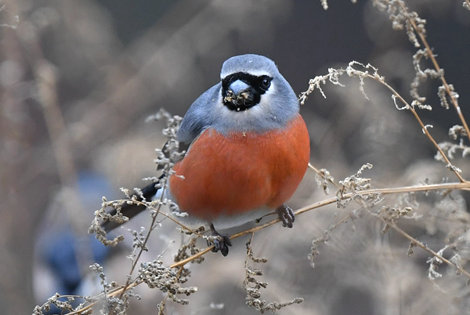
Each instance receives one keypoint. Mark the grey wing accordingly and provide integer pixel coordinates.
(195, 121)
(199, 116)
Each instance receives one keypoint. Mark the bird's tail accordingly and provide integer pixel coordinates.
(131, 210)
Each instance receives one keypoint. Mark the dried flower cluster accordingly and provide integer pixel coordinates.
(168, 280)
(355, 184)
(253, 285)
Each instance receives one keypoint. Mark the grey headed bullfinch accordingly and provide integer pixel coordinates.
(247, 151)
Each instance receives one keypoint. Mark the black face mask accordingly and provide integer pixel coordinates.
(251, 96)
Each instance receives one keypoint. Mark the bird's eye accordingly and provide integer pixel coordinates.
(265, 83)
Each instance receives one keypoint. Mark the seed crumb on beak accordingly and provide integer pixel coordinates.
(229, 97)
(245, 95)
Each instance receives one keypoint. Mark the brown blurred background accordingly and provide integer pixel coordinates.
(79, 78)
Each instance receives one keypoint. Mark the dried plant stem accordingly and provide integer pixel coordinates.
(332, 200)
(368, 71)
(424, 247)
(464, 186)
(168, 216)
(113, 293)
(420, 122)
(143, 246)
(438, 69)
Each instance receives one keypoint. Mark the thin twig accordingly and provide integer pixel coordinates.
(110, 294)
(144, 244)
(420, 122)
(168, 216)
(424, 247)
(438, 69)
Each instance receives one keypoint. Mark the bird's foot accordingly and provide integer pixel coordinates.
(286, 215)
(220, 242)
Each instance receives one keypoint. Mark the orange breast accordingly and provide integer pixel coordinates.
(241, 172)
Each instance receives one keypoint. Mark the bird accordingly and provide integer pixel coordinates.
(248, 149)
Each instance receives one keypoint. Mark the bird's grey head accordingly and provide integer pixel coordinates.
(252, 96)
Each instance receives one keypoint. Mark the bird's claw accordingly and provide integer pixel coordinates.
(219, 241)
(286, 215)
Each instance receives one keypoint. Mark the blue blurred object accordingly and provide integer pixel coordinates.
(63, 252)
(61, 256)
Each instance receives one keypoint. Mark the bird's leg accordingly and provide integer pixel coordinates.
(286, 215)
(220, 242)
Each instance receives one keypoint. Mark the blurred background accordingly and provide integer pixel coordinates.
(79, 78)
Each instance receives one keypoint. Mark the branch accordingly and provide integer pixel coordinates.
(319, 204)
